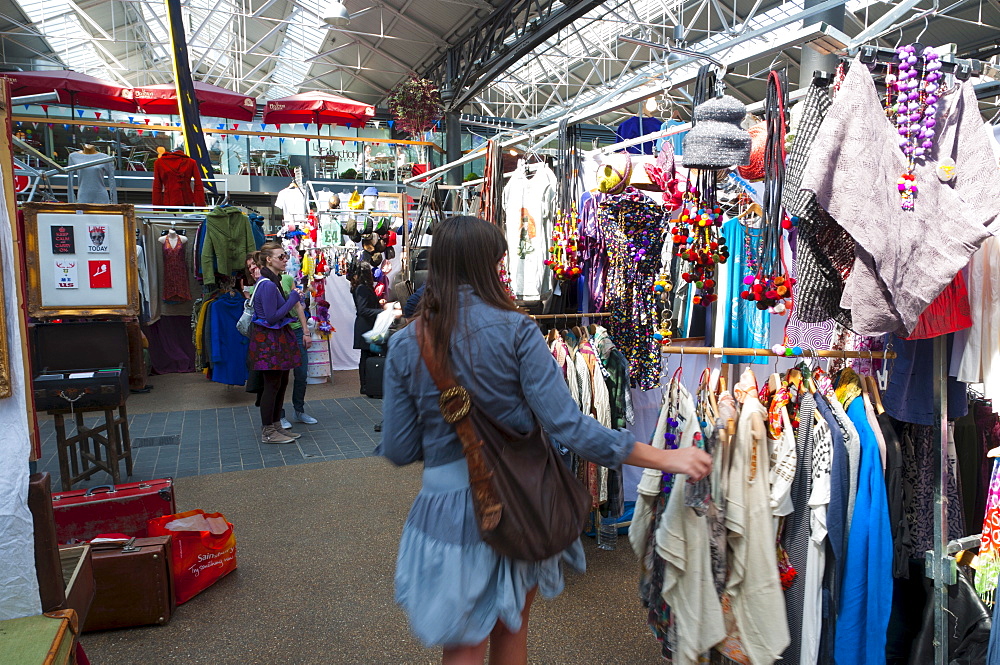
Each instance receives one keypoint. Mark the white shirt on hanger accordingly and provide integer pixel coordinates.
(292, 202)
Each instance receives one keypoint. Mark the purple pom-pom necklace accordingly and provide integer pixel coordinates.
(914, 93)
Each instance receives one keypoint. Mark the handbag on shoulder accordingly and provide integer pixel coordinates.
(528, 505)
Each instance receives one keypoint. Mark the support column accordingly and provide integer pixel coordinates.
(811, 60)
(452, 120)
(453, 144)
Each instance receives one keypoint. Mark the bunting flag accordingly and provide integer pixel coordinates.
(236, 126)
(45, 107)
(147, 120)
(79, 112)
(305, 126)
(140, 131)
(263, 127)
(155, 133)
(391, 123)
(187, 103)
(97, 114)
(27, 106)
(131, 120)
(277, 127)
(281, 139)
(65, 126)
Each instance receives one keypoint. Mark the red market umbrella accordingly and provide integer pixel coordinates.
(213, 101)
(73, 88)
(317, 107)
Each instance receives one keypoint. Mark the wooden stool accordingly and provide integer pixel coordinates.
(80, 455)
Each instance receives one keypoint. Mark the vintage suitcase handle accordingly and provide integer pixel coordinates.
(109, 488)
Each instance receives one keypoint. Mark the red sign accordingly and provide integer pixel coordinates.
(100, 274)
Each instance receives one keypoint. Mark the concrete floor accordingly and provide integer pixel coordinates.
(317, 545)
(316, 551)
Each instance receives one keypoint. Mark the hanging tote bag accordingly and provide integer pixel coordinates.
(245, 322)
(528, 505)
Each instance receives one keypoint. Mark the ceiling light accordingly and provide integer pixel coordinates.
(336, 14)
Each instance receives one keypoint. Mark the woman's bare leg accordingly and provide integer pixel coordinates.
(465, 655)
(507, 648)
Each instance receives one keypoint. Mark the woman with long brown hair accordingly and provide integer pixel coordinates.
(458, 592)
(273, 348)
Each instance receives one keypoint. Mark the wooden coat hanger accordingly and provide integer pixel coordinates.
(753, 209)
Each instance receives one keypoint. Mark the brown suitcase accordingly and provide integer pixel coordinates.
(135, 586)
(65, 575)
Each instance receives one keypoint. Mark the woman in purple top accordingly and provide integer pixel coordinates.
(273, 347)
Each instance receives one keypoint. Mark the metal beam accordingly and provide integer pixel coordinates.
(490, 47)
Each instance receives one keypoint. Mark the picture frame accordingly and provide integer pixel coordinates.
(387, 202)
(81, 260)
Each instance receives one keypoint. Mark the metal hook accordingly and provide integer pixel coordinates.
(899, 39)
(927, 20)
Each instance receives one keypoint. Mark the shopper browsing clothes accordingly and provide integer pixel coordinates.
(368, 308)
(458, 591)
(273, 347)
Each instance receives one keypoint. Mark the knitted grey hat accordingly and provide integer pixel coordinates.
(717, 140)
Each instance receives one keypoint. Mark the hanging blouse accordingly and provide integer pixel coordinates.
(981, 359)
(753, 587)
(904, 259)
(682, 540)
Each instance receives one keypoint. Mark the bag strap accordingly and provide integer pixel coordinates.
(487, 503)
(255, 287)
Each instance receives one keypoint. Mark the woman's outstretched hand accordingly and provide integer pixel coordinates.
(693, 462)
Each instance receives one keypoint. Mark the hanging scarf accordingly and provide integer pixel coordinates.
(989, 547)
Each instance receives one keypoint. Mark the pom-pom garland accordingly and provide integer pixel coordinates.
(912, 101)
(564, 250)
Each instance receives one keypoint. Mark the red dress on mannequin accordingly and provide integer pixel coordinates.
(177, 180)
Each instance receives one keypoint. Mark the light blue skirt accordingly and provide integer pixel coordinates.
(453, 586)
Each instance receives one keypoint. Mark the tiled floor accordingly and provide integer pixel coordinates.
(218, 440)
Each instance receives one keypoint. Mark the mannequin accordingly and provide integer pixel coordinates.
(93, 187)
(176, 283)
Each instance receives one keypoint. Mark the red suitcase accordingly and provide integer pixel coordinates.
(83, 514)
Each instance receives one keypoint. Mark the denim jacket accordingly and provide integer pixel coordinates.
(501, 358)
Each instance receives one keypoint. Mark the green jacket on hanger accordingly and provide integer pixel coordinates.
(228, 240)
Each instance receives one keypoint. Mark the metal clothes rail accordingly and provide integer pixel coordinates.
(762, 353)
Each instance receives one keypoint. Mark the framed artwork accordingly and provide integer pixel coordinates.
(389, 203)
(81, 260)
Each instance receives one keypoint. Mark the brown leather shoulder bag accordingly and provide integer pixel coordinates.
(527, 503)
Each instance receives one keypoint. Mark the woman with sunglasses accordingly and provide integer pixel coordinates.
(273, 348)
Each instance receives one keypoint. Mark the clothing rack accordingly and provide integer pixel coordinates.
(757, 353)
(575, 315)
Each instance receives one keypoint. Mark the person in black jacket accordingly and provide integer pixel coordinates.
(368, 308)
